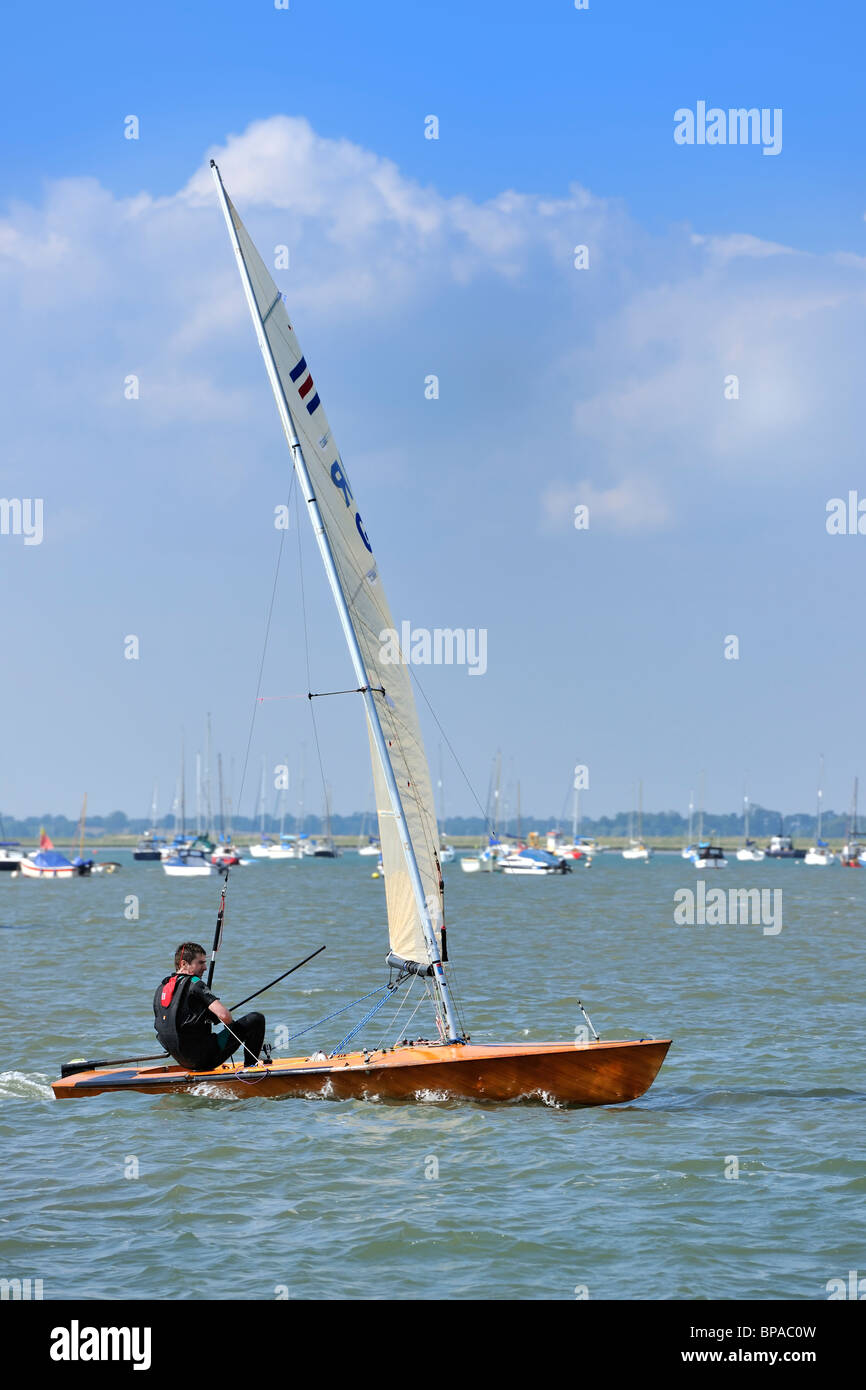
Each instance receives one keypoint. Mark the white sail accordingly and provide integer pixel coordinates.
(371, 621)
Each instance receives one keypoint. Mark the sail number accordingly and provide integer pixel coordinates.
(339, 479)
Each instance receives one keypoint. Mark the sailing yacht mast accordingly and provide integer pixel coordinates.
(820, 799)
(329, 562)
(207, 781)
(182, 788)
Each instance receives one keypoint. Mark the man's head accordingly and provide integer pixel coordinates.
(190, 958)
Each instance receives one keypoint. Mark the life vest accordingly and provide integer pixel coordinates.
(177, 1027)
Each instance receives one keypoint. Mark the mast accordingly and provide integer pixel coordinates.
(198, 793)
(640, 811)
(691, 816)
(701, 809)
(329, 562)
(153, 809)
(262, 801)
(222, 803)
(182, 788)
(441, 826)
(81, 825)
(207, 779)
(745, 816)
(820, 796)
(575, 812)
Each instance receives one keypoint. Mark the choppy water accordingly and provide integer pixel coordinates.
(244, 1199)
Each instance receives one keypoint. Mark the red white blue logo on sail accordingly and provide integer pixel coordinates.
(306, 385)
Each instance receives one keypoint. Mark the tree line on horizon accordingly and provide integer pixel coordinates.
(763, 822)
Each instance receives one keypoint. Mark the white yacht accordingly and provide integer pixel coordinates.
(820, 853)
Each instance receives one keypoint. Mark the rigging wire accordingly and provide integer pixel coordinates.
(307, 659)
(256, 701)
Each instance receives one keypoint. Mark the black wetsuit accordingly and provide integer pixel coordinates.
(184, 1026)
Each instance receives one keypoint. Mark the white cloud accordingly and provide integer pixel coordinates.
(633, 504)
(621, 367)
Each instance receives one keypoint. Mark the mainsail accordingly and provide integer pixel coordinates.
(372, 625)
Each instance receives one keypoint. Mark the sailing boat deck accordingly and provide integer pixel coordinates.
(591, 1073)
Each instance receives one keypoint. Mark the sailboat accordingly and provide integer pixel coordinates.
(491, 854)
(688, 849)
(323, 845)
(447, 853)
(636, 848)
(186, 857)
(448, 1064)
(853, 854)
(150, 844)
(749, 850)
(820, 853)
(262, 850)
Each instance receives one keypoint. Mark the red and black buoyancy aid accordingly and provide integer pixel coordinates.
(177, 1025)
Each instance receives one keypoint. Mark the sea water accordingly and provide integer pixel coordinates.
(738, 1175)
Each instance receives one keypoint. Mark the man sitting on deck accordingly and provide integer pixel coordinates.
(182, 1006)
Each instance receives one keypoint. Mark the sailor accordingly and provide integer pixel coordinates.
(183, 1006)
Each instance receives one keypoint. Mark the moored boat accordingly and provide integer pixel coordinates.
(819, 854)
(11, 855)
(709, 857)
(536, 862)
(188, 863)
(48, 864)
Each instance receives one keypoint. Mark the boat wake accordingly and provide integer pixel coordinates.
(17, 1085)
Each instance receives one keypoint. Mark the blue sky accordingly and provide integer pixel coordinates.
(557, 386)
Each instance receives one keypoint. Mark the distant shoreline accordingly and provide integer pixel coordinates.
(662, 843)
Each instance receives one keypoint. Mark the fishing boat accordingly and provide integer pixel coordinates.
(595, 1072)
(819, 854)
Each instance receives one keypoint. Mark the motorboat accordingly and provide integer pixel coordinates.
(188, 863)
(710, 857)
(535, 862)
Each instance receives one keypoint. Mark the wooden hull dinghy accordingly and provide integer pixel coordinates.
(592, 1073)
(586, 1072)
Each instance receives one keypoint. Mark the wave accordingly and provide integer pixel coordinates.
(18, 1085)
